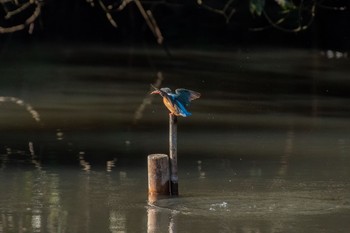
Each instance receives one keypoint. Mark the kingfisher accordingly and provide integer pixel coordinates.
(177, 102)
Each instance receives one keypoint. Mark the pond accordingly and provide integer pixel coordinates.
(267, 148)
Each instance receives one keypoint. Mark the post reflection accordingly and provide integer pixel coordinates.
(160, 221)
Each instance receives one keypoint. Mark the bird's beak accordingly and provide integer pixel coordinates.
(155, 92)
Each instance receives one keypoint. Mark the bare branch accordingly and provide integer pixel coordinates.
(20, 9)
(151, 22)
(335, 8)
(227, 11)
(146, 14)
(29, 22)
(157, 32)
(300, 26)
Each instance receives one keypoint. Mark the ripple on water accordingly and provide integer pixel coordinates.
(257, 204)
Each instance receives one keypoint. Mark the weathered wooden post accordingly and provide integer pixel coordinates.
(174, 186)
(158, 177)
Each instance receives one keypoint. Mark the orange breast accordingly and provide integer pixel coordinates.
(169, 105)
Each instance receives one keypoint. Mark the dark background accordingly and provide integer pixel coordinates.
(184, 24)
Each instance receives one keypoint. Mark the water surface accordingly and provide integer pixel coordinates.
(266, 150)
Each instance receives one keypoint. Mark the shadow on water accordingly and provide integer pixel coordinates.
(266, 150)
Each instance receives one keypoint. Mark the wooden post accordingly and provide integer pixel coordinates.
(174, 186)
(158, 177)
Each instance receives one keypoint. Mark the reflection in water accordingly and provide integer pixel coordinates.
(254, 167)
(31, 149)
(331, 54)
(83, 163)
(32, 158)
(152, 220)
(68, 200)
(200, 170)
(35, 115)
(148, 99)
(110, 164)
(117, 222)
(33, 203)
(160, 221)
(59, 135)
(42, 208)
(36, 223)
(288, 150)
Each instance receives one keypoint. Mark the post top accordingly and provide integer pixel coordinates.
(157, 156)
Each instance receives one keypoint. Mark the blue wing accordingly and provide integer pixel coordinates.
(178, 106)
(186, 96)
(181, 109)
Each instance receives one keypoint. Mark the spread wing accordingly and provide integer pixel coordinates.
(186, 96)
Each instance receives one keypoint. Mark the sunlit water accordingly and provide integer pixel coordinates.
(266, 150)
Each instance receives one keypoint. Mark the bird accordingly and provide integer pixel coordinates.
(177, 102)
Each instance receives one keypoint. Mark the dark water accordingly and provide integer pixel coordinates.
(266, 150)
